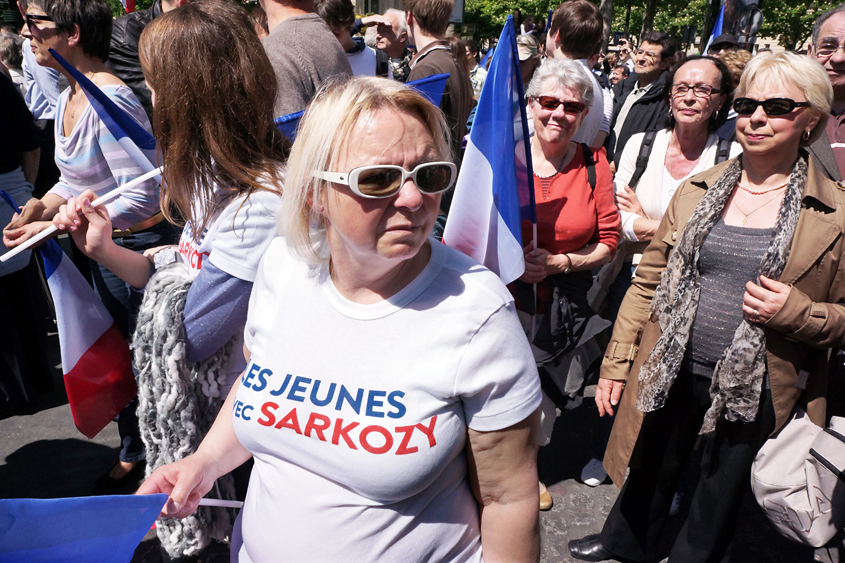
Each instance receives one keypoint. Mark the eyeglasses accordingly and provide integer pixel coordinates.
(385, 180)
(699, 90)
(33, 19)
(650, 56)
(551, 103)
(827, 51)
(774, 106)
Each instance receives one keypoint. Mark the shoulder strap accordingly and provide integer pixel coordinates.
(723, 150)
(590, 162)
(382, 63)
(642, 158)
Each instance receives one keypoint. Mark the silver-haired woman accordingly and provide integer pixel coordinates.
(727, 324)
(390, 401)
(577, 227)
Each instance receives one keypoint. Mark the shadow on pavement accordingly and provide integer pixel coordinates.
(54, 469)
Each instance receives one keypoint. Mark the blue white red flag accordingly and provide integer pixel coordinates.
(495, 187)
(82, 530)
(96, 361)
(133, 138)
(128, 5)
(717, 29)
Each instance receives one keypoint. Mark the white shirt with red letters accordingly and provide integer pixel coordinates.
(357, 415)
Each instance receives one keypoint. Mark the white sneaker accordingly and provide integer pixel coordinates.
(676, 505)
(593, 473)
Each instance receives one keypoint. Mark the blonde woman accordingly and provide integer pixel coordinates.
(727, 324)
(390, 400)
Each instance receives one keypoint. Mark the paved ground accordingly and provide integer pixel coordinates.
(42, 455)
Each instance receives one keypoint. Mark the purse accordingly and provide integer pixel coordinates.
(798, 481)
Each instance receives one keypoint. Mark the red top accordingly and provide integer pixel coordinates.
(570, 215)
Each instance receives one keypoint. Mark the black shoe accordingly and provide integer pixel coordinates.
(589, 548)
(126, 485)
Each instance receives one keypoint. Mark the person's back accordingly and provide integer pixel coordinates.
(427, 21)
(303, 51)
(123, 52)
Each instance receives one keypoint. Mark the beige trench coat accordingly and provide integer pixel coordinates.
(798, 337)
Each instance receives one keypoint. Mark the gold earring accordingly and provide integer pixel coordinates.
(805, 136)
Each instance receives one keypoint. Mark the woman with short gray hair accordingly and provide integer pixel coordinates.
(577, 227)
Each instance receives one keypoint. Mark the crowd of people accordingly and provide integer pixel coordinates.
(686, 259)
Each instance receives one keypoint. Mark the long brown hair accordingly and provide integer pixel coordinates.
(213, 113)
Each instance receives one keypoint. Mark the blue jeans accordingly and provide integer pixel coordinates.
(122, 302)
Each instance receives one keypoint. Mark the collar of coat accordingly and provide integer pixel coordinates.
(818, 186)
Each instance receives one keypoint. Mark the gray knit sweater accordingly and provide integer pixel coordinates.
(730, 257)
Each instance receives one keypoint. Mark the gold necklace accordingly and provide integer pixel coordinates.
(740, 186)
(745, 219)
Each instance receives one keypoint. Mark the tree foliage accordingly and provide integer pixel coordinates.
(791, 23)
(788, 21)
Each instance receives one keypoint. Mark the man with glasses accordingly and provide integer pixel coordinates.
(639, 98)
(828, 47)
(625, 55)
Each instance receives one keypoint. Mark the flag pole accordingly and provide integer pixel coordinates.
(528, 161)
(99, 201)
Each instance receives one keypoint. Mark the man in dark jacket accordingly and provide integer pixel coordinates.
(123, 53)
(639, 98)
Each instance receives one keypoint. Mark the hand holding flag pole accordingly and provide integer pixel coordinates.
(99, 201)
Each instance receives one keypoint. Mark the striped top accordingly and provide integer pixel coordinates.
(91, 158)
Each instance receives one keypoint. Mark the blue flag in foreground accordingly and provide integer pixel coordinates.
(94, 529)
(129, 134)
(431, 87)
(495, 188)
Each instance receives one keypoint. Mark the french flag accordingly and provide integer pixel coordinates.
(717, 28)
(495, 188)
(96, 361)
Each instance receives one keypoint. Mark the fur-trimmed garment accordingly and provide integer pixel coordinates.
(738, 377)
(178, 403)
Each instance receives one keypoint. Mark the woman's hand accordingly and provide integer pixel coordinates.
(13, 237)
(90, 227)
(185, 481)
(31, 212)
(627, 200)
(761, 302)
(535, 270)
(608, 394)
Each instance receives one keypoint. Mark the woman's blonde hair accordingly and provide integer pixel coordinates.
(325, 131)
(804, 73)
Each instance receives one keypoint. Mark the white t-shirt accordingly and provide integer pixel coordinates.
(234, 240)
(363, 63)
(357, 414)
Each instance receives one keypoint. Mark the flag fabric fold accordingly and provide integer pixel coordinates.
(96, 362)
(717, 29)
(495, 188)
(82, 530)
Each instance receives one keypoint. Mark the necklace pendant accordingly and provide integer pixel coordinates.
(745, 219)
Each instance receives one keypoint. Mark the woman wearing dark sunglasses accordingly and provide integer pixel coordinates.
(697, 93)
(728, 323)
(577, 229)
(390, 400)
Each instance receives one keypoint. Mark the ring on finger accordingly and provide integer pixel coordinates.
(754, 313)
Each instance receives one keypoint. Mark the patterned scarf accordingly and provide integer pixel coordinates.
(738, 377)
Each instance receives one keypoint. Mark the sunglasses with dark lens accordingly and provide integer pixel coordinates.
(550, 103)
(774, 106)
(385, 180)
(33, 19)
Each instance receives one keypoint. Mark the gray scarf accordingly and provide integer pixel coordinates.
(738, 377)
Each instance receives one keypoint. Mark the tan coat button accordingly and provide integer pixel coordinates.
(674, 235)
